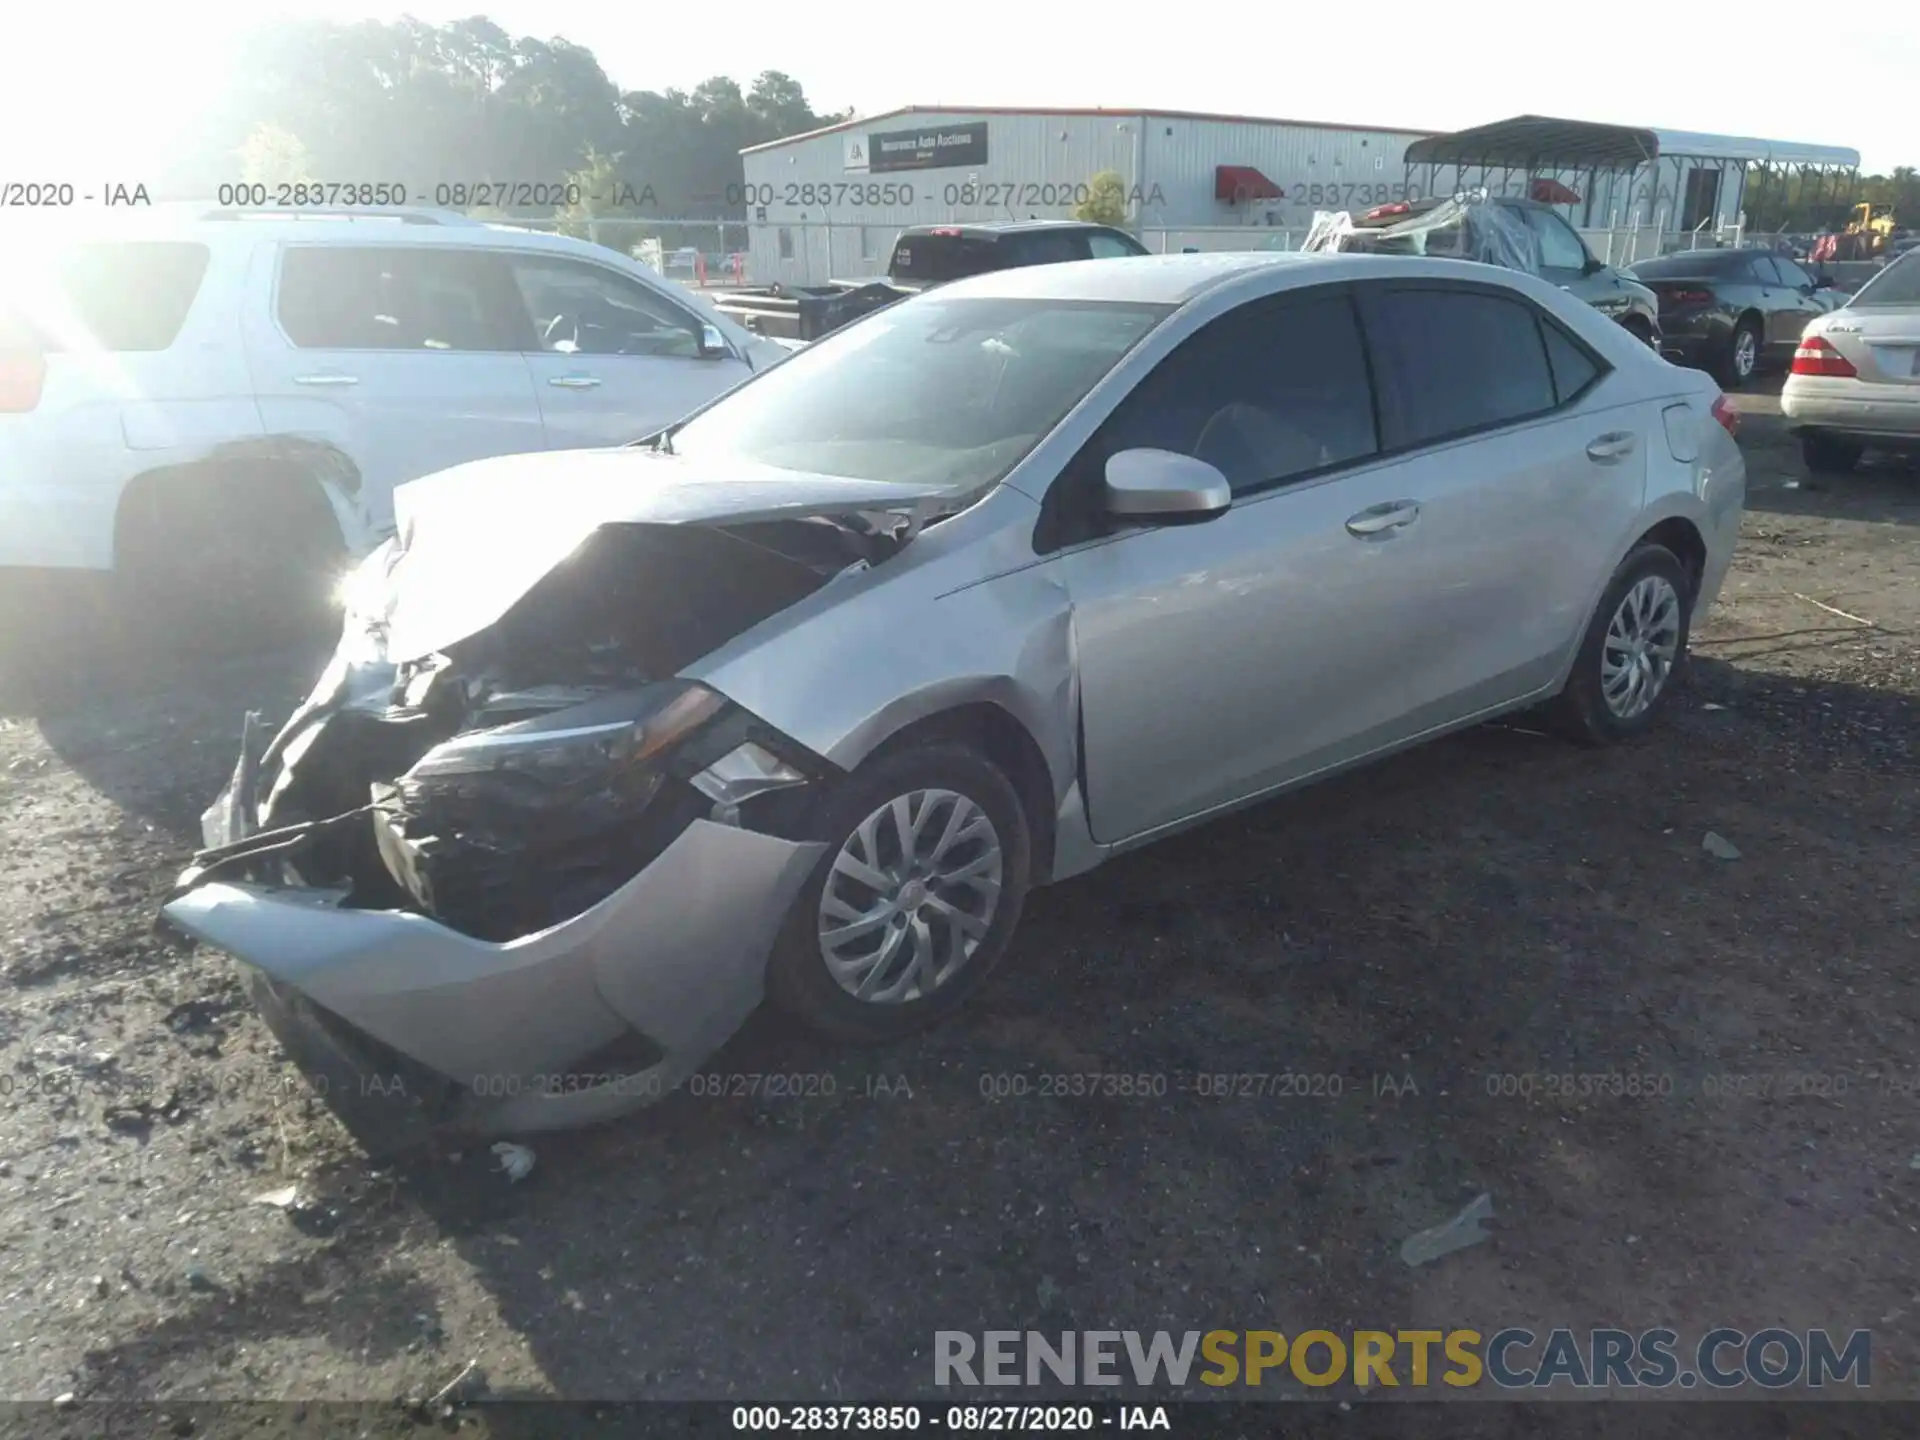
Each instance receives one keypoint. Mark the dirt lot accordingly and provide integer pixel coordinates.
(1498, 905)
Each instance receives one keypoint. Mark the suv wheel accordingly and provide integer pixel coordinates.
(231, 558)
(927, 867)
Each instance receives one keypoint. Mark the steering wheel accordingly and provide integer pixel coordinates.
(562, 328)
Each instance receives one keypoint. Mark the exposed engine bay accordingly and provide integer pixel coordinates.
(521, 775)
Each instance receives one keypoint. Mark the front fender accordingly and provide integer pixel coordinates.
(964, 615)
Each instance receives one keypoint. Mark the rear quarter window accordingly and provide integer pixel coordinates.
(129, 296)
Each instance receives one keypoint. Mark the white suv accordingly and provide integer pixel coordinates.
(224, 402)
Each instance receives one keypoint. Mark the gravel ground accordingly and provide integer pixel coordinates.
(1499, 904)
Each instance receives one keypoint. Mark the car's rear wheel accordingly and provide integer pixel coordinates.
(1633, 652)
(1742, 357)
(927, 867)
(1830, 454)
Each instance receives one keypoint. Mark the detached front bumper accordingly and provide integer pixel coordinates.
(394, 1013)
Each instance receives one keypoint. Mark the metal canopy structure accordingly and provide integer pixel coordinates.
(1539, 141)
(1674, 180)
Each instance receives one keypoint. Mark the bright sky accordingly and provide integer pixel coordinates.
(94, 95)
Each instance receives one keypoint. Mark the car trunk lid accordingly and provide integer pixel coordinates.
(1881, 342)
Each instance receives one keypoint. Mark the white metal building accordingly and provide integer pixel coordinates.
(827, 204)
(1613, 177)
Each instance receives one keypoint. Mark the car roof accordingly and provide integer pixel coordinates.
(1177, 279)
(213, 226)
(992, 228)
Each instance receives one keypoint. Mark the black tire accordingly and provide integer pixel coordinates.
(231, 560)
(1737, 366)
(1829, 454)
(1581, 711)
(1641, 329)
(798, 981)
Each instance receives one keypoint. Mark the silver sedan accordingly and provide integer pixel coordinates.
(1855, 382)
(799, 698)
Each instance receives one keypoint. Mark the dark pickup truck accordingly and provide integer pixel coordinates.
(923, 256)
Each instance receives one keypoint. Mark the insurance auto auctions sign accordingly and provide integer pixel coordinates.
(931, 147)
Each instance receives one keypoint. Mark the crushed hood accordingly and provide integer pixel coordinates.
(473, 540)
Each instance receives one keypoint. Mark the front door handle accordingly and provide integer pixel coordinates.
(326, 378)
(574, 382)
(1378, 519)
(1611, 447)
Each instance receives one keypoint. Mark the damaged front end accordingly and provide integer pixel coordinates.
(528, 879)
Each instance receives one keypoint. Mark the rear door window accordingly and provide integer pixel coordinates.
(1450, 362)
(354, 297)
(127, 296)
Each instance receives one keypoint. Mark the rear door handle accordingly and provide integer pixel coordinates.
(1611, 447)
(574, 382)
(1378, 519)
(326, 377)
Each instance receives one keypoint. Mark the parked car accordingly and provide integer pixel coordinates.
(1855, 380)
(218, 404)
(1521, 234)
(924, 256)
(804, 695)
(1734, 311)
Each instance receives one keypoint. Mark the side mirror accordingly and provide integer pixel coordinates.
(713, 345)
(1165, 487)
(1593, 266)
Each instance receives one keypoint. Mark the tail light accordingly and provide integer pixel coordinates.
(1380, 212)
(1685, 295)
(23, 366)
(1817, 356)
(1727, 415)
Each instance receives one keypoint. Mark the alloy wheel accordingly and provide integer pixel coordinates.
(1643, 640)
(1746, 354)
(911, 895)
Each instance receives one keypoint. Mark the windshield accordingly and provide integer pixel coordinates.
(934, 391)
(1898, 284)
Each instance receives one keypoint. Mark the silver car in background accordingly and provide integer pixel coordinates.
(1855, 381)
(802, 696)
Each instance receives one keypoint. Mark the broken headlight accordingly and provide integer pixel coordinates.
(606, 743)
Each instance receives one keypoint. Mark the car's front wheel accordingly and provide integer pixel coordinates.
(1633, 651)
(927, 867)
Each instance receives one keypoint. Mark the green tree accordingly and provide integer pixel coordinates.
(273, 156)
(597, 183)
(1106, 202)
(437, 106)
